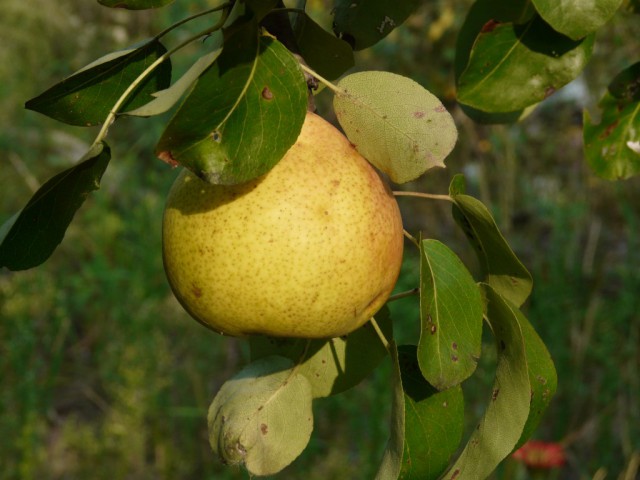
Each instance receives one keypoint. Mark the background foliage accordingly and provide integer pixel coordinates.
(104, 375)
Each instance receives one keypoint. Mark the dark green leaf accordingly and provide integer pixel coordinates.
(434, 422)
(502, 424)
(392, 458)
(500, 266)
(362, 23)
(33, 235)
(451, 317)
(135, 4)
(321, 50)
(514, 66)
(243, 113)
(260, 8)
(334, 365)
(625, 85)
(482, 15)
(165, 99)
(576, 18)
(262, 417)
(612, 147)
(87, 97)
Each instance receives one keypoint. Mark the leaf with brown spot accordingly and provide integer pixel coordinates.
(250, 415)
(397, 125)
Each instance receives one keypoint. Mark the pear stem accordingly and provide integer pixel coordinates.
(378, 330)
(431, 196)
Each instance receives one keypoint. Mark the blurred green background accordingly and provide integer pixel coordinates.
(104, 376)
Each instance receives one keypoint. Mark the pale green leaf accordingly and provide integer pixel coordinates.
(262, 417)
(332, 365)
(434, 422)
(502, 424)
(395, 123)
(451, 317)
(577, 18)
(500, 266)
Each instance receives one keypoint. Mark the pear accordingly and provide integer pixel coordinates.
(312, 249)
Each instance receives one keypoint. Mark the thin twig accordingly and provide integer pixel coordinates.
(432, 196)
(408, 293)
(125, 95)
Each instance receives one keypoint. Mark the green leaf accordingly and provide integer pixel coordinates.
(322, 51)
(165, 99)
(333, 365)
(458, 185)
(397, 125)
(543, 378)
(31, 236)
(434, 422)
(451, 317)
(391, 464)
(484, 15)
(87, 97)
(514, 66)
(612, 147)
(502, 424)
(576, 18)
(134, 4)
(363, 23)
(262, 417)
(243, 113)
(500, 266)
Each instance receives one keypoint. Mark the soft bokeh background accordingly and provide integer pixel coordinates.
(104, 376)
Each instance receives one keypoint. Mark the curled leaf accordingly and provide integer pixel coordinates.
(262, 417)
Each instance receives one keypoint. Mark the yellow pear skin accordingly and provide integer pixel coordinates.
(312, 249)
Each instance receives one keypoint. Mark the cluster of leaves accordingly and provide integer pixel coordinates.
(238, 109)
(263, 416)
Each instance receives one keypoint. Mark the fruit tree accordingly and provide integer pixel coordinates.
(284, 229)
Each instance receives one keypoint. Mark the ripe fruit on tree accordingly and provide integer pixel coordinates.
(312, 249)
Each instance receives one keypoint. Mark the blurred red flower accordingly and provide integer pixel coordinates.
(538, 454)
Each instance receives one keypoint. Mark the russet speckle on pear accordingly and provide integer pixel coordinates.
(312, 249)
